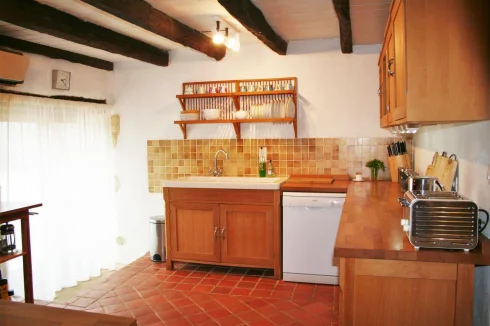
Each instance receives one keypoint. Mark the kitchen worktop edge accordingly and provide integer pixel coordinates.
(370, 229)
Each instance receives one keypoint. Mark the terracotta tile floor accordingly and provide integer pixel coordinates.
(204, 295)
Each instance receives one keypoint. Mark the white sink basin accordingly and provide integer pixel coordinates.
(225, 182)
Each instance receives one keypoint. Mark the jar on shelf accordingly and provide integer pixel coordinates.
(7, 239)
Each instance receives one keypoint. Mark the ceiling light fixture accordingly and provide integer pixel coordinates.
(221, 36)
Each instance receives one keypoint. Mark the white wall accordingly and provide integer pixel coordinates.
(470, 142)
(85, 81)
(337, 94)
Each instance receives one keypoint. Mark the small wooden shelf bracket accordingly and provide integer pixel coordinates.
(183, 128)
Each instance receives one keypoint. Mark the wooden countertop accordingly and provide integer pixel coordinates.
(316, 183)
(370, 228)
(26, 314)
(14, 207)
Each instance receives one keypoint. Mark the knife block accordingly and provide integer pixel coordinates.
(398, 161)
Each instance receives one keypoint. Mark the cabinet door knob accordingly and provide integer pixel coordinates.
(223, 234)
(390, 62)
(216, 232)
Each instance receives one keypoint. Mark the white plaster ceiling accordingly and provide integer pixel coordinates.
(291, 19)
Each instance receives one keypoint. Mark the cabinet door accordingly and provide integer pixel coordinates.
(194, 231)
(391, 74)
(384, 89)
(399, 109)
(247, 235)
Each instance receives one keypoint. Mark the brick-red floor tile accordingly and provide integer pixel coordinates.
(199, 318)
(82, 302)
(249, 316)
(178, 322)
(129, 296)
(184, 287)
(241, 291)
(141, 311)
(281, 319)
(95, 294)
(135, 304)
(148, 319)
(169, 314)
(206, 295)
(230, 321)
(115, 308)
(190, 310)
(109, 301)
(155, 299)
(161, 306)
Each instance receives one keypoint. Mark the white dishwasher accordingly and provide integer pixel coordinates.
(310, 224)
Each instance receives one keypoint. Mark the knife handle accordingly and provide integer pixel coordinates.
(403, 146)
(396, 150)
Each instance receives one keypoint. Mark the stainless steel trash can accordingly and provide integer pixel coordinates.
(157, 238)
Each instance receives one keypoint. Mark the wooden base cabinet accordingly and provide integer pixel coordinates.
(405, 293)
(224, 227)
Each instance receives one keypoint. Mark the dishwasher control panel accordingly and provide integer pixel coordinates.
(296, 199)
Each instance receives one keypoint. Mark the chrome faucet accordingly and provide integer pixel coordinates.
(217, 172)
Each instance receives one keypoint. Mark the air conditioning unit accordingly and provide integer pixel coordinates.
(13, 67)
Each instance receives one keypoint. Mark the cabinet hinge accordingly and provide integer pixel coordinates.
(406, 91)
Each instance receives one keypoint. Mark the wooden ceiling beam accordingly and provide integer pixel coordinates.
(142, 14)
(342, 9)
(44, 19)
(254, 21)
(47, 51)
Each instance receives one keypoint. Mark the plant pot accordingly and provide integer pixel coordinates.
(374, 174)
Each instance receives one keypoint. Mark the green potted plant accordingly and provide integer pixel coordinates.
(375, 165)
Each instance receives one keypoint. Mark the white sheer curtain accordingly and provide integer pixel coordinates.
(59, 153)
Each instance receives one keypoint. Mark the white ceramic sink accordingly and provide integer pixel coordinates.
(225, 182)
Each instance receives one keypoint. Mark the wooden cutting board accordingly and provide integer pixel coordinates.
(444, 169)
(313, 181)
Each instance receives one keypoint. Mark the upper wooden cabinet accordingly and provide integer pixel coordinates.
(435, 63)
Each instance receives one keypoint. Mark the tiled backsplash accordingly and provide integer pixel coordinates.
(169, 159)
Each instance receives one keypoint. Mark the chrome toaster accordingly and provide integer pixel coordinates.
(440, 219)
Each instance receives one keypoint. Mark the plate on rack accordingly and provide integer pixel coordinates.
(253, 111)
(291, 108)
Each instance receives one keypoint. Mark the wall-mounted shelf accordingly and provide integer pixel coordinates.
(6, 257)
(205, 95)
(233, 100)
(236, 123)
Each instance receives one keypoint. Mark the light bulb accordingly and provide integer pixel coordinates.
(235, 42)
(230, 42)
(218, 38)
